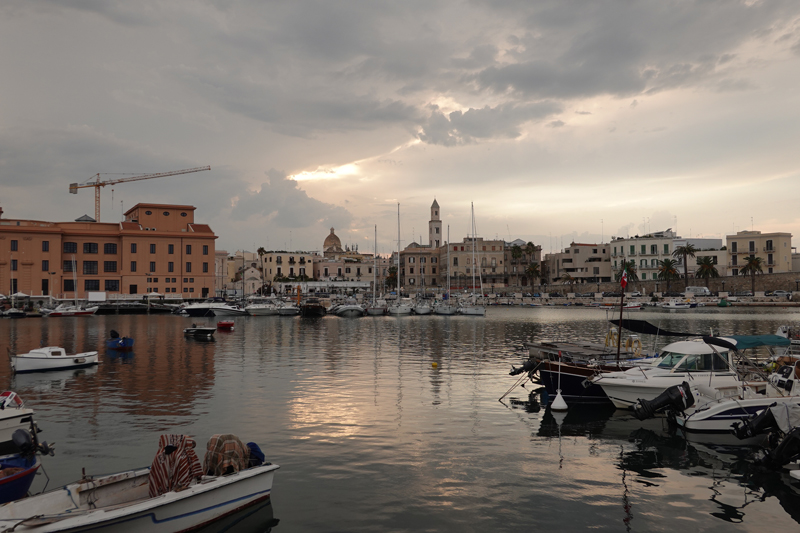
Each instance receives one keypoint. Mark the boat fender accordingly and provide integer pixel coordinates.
(611, 339)
(79, 360)
(635, 345)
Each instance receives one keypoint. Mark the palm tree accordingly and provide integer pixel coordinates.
(753, 265)
(630, 267)
(706, 269)
(391, 279)
(533, 272)
(566, 278)
(516, 252)
(667, 271)
(685, 251)
(530, 249)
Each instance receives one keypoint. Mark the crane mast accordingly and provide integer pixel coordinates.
(73, 187)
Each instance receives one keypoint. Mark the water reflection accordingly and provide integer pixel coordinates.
(256, 519)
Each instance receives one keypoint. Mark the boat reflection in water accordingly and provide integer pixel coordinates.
(257, 519)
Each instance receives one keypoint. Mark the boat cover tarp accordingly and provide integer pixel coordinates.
(175, 465)
(744, 342)
(225, 454)
(787, 416)
(646, 328)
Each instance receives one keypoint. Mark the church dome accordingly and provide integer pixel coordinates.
(332, 243)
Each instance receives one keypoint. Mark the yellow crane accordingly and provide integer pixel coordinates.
(73, 187)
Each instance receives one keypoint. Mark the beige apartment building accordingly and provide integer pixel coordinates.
(478, 258)
(158, 248)
(585, 263)
(775, 249)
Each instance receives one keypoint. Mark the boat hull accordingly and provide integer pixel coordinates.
(187, 510)
(27, 363)
(16, 486)
(399, 310)
(573, 378)
(445, 310)
(199, 311)
(73, 312)
(125, 343)
(719, 416)
(625, 393)
(473, 310)
(12, 420)
(376, 311)
(350, 312)
(229, 311)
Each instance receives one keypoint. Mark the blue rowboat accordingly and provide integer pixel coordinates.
(119, 343)
(16, 484)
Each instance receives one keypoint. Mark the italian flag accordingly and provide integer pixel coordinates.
(624, 279)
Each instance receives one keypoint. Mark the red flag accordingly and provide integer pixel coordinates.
(624, 279)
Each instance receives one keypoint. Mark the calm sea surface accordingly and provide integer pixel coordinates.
(371, 436)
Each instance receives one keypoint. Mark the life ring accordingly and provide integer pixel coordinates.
(635, 345)
(612, 339)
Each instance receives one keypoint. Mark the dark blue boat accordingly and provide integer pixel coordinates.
(20, 470)
(119, 343)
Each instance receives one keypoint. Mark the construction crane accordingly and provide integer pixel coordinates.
(73, 187)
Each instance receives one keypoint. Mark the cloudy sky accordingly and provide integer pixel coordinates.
(560, 120)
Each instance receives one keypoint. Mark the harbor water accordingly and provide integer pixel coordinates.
(394, 423)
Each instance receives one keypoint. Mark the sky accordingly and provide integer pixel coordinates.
(558, 120)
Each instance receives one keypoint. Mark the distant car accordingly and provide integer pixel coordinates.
(526, 295)
(744, 293)
(536, 295)
(781, 293)
(634, 293)
(612, 294)
(555, 295)
(672, 294)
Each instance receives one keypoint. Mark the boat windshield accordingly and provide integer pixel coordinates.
(693, 362)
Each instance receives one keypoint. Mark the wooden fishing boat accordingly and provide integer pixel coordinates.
(50, 358)
(121, 503)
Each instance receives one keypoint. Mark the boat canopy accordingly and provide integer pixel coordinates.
(744, 342)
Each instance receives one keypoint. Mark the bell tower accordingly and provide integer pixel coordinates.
(435, 227)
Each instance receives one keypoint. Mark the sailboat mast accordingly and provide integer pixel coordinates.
(398, 250)
(375, 267)
(472, 208)
(448, 262)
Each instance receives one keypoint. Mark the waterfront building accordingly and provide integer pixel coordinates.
(419, 268)
(582, 262)
(712, 248)
(157, 248)
(775, 249)
(646, 251)
(515, 269)
(486, 265)
(281, 265)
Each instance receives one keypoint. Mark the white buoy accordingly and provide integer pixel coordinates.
(559, 404)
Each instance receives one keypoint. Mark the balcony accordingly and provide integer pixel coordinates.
(770, 250)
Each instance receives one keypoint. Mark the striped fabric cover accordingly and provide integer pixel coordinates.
(176, 470)
(224, 451)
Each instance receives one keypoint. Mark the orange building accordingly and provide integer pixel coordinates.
(158, 248)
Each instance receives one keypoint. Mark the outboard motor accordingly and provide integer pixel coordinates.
(787, 451)
(114, 334)
(527, 366)
(676, 398)
(22, 440)
(757, 425)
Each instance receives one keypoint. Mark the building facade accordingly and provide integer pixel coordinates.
(158, 248)
(775, 249)
(583, 263)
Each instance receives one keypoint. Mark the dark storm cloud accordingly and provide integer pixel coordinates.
(503, 121)
(288, 206)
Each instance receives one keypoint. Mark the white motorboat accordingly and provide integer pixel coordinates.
(288, 309)
(691, 361)
(14, 313)
(51, 358)
(422, 308)
(678, 304)
(263, 308)
(200, 331)
(13, 416)
(349, 309)
(204, 309)
(229, 310)
(445, 308)
(121, 503)
(72, 310)
(401, 306)
(472, 310)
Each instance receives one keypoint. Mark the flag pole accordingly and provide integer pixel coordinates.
(624, 283)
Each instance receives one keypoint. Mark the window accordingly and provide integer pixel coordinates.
(653, 249)
(666, 249)
(152, 266)
(14, 245)
(205, 267)
(410, 270)
(90, 248)
(112, 285)
(166, 213)
(734, 260)
(433, 270)
(191, 280)
(45, 265)
(633, 249)
(109, 266)
(70, 247)
(347, 270)
(13, 264)
(205, 249)
(170, 249)
(69, 285)
(455, 261)
(188, 249)
(133, 251)
(642, 248)
(152, 248)
(183, 214)
(170, 267)
(133, 289)
(577, 250)
(133, 266)
(45, 246)
(752, 246)
(91, 284)
(186, 280)
(69, 266)
(734, 247)
(90, 267)
(188, 267)
(110, 248)
(735, 272)
(769, 246)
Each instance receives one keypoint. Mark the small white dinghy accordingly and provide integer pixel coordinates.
(123, 503)
(51, 358)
